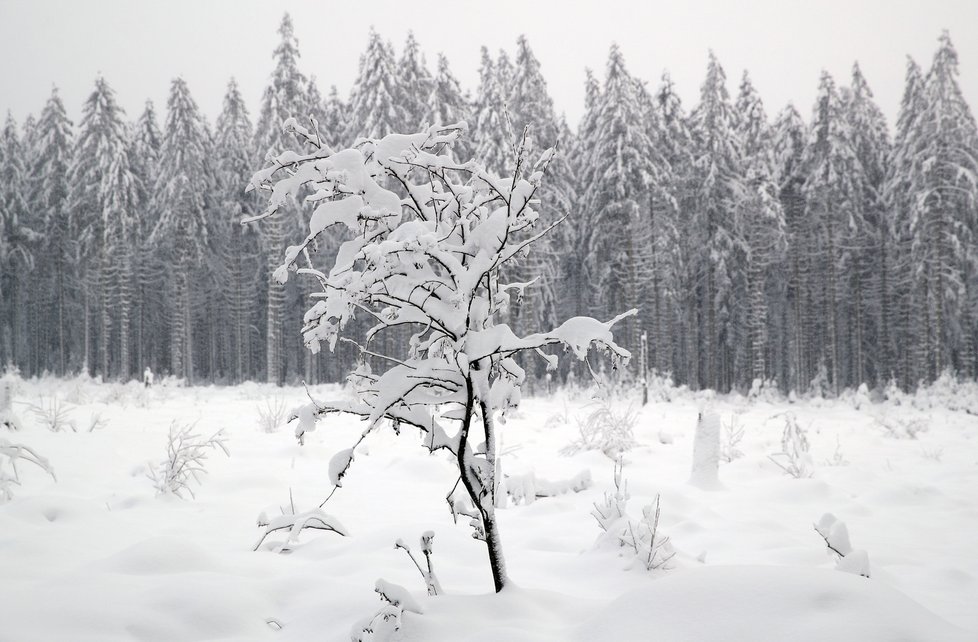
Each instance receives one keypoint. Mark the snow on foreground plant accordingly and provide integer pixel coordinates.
(427, 257)
(186, 452)
(10, 454)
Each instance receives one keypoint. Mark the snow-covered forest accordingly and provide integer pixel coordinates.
(793, 247)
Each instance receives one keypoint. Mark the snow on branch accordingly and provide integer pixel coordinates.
(427, 239)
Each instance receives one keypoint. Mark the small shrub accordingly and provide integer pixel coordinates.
(272, 413)
(605, 428)
(902, 427)
(54, 414)
(733, 433)
(10, 454)
(836, 536)
(184, 465)
(794, 458)
(429, 577)
(642, 539)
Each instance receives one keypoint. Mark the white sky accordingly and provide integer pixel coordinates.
(140, 46)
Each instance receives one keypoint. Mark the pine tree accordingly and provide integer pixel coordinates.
(233, 157)
(284, 98)
(57, 272)
(763, 221)
(790, 138)
(942, 143)
(447, 105)
(493, 134)
(333, 127)
(375, 101)
(415, 86)
(17, 240)
(869, 139)
(181, 233)
(618, 252)
(677, 311)
(833, 192)
(149, 309)
(101, 138)
(901, 169)
(719, 179)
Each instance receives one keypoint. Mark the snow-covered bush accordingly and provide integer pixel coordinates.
(295, 523)
(186, 454)
(54, 414)
(608, 426)
(382, 625)
(764, 390)
(902, 427)
(640, 540)
(272, 413)
(10, 455)
(428, 573)
(706, 451)
(836, 536)
(733, 433)
(794, 457)
(427, 257)
(527, 488)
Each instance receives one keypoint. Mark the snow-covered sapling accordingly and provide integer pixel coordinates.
(428, 239)
(733, 433)
(794, 457)
(10, 454)
(706, 451)
(381, 626)
(272, 413)
(54, 414)
(836, 536)
(186, 452)
(429, 577)
(527, 488)
(293, 522)
(608, 427)
(639, 539)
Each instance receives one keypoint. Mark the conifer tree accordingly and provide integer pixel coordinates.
(284, 98)
(181, 232)
(101, 138)
(942, 142)
(54, 139)
(415, 85)
(16, 248)
(233, 156)
(719, 180)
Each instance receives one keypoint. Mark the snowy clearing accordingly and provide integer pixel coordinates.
(98, 555)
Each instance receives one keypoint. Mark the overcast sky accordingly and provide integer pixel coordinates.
(140, 46)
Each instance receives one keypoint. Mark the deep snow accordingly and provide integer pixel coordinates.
(98, 556)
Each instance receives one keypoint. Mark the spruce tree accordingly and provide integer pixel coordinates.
(101, 138)
(181, 232)
(57, 272)
(415, 85)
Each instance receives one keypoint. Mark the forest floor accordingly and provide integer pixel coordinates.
(100, 555)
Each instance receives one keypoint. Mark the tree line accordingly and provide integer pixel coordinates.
(800, 253)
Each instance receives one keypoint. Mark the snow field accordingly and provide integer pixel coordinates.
(99, 556)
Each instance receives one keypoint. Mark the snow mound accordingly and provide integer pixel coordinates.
(761, 603)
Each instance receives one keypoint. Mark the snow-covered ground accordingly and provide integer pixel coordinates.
(98, 555)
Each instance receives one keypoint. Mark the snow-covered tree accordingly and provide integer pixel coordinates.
(376, 107)
(233, 156)
(718, 176)
(284, 97)
(790, 136)
(183, 188)
(447, 104)
(149, 280)
(17, 240)
(415, 85)
(944, 189)
(101, 139)
(833, 191)
(763, 221)
(429, 261)
(54, 139)
(493, 133)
